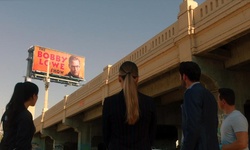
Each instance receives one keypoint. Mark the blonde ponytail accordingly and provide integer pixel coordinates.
(129, 73)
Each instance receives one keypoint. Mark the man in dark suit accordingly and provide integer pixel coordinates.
(199, 111)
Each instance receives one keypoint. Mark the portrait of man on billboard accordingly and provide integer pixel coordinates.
(74, 66)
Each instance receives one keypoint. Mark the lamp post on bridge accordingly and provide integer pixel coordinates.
(46, 95)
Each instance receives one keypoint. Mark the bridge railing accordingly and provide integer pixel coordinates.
(209, 7)
(218, 12)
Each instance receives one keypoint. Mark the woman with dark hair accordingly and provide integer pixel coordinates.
(129, 117)
(18, 126)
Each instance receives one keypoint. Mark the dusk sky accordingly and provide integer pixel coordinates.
(102, 31)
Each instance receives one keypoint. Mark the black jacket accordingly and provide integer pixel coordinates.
(118, 134)
(199, 119)
(19, 135)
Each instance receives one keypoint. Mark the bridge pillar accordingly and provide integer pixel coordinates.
(83, 130)
(60, 139)
(54, 136)
(42, 142)
(84, 139)
(105, 82)
(186, 30)
(38, 142)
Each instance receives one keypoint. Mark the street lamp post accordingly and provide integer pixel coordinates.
(46, 82)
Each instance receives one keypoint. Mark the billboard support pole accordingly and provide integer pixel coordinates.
(46, 82)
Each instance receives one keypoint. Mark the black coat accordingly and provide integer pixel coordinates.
(118, 135)
(19, 135)
(199, 119)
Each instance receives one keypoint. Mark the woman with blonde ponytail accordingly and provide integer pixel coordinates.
(129, 117)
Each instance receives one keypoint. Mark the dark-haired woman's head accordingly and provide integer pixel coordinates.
(30, 93)
(23, 92)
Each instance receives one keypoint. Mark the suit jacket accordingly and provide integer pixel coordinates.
(118, 134)
(199, 119)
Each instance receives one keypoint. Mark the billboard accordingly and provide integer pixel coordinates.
(62, 67)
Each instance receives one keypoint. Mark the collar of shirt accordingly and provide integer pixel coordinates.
(226, 115)
(192, 85)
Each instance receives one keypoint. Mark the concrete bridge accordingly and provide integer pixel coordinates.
(215, 34)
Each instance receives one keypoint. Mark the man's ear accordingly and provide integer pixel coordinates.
(224, 101)
(34, 96)
(184, 77)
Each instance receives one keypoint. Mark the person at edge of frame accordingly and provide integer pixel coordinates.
(234, 127)
(18, 125)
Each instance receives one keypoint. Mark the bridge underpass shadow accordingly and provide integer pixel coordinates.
(48, 143)
(166, 137)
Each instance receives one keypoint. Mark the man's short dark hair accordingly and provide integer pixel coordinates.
(228, 95)
(191, 70)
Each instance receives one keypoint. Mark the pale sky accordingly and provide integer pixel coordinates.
(103, 31)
